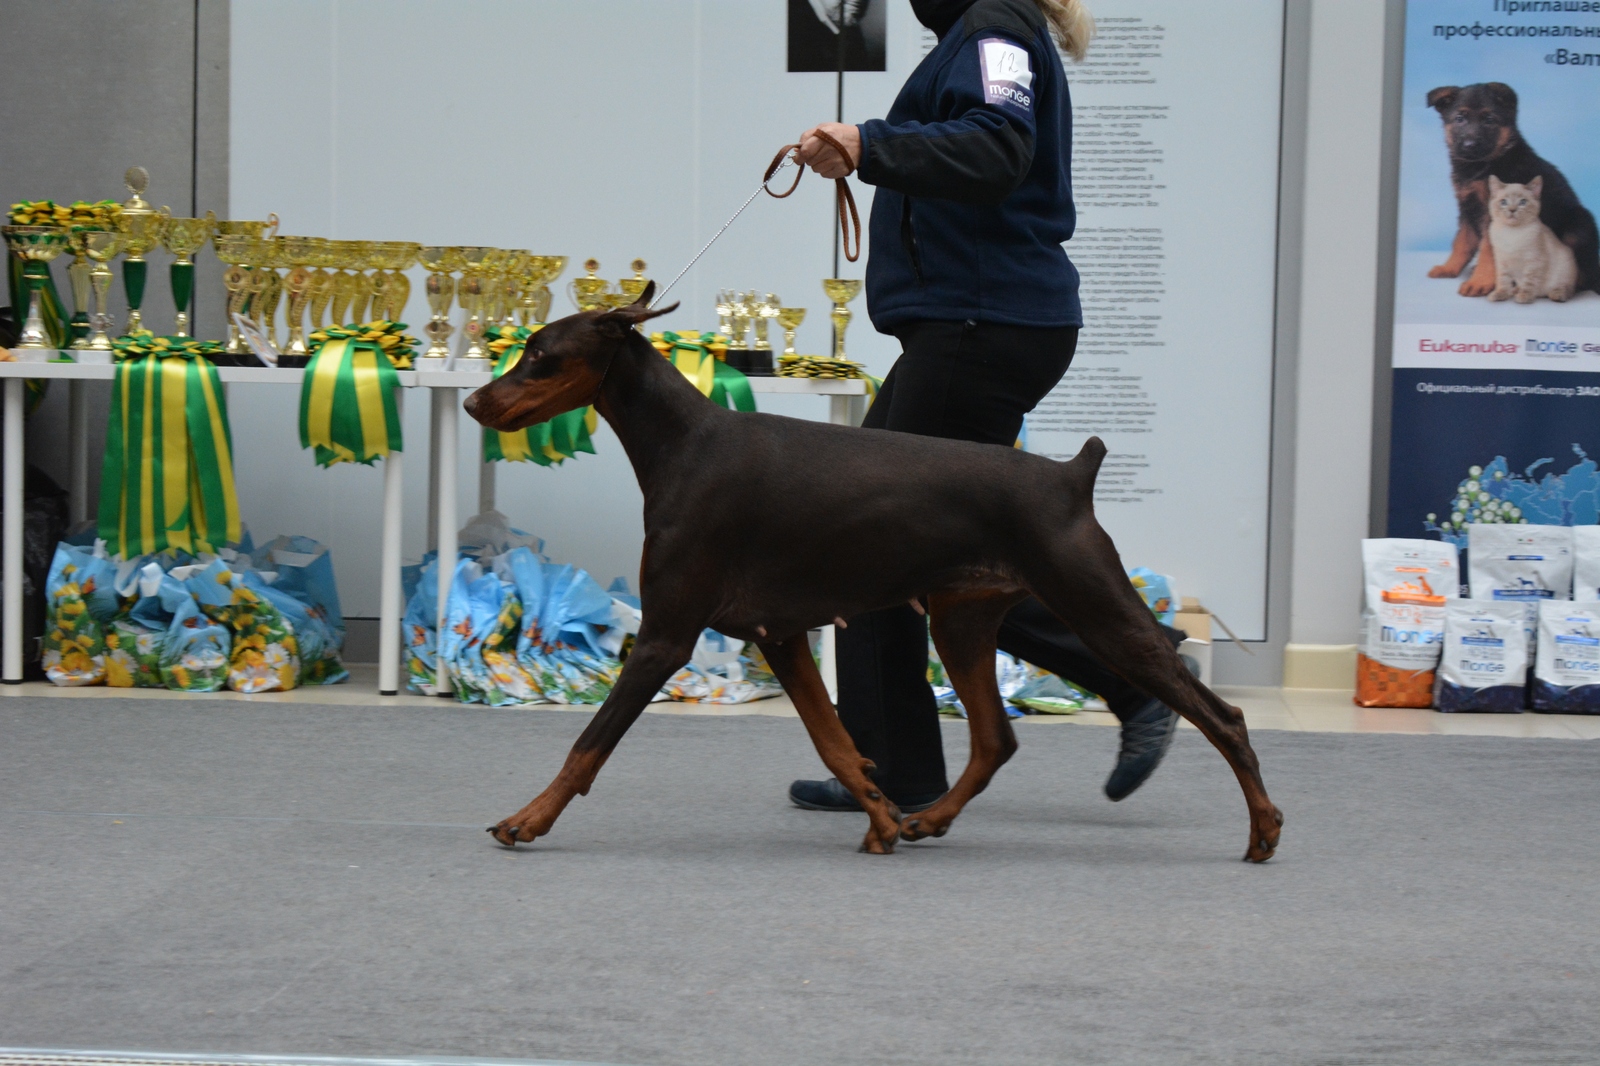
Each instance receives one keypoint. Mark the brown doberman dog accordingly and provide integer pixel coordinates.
(764, 528)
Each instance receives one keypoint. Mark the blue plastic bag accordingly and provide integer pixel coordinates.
(304, 570)
(80, 601)
(419, 626)
(1156, 590)
(194, 650)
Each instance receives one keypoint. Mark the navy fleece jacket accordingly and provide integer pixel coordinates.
(973, 169)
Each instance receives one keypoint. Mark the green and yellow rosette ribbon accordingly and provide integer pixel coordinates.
(348, 412)
(548, 443)
(167, 479)
(701, 357)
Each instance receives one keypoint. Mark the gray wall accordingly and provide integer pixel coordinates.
(97, 86)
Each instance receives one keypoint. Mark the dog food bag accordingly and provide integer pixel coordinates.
(1586, 563)
(1485, 662)
(1566, 669)
(1525, 563)
(1408, 583)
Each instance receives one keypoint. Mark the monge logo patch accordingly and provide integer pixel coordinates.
(1007, 78)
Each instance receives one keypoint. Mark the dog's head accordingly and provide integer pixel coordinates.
(562, 367)
(1480, 121)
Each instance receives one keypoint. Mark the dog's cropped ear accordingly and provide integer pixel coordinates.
(1503, 95)
(1443, 98)
(639, 311)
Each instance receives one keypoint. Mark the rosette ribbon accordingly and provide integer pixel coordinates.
(348, 412)
(696, 357)
(167, 479)
(547, 443)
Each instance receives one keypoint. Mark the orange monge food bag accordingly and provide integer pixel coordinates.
(1402, 630)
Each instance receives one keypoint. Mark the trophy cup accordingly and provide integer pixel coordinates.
(298, 252)
(469, 294)
(102, 246)
(589, 292)
(183, 237)
(266, 285)
(225, 227)
(78, 274)
(238, 250)
(725, 313)
(740, 313)
(841, 291)
(141, 226)
(548, 268)
(790, 318)
(441, 262)
(633, 287)
(766, 309)
(492, 279)
(352, 257)
(36, 246)
(395, 256)
(320, 287)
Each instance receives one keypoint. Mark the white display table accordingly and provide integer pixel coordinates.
(847, 403)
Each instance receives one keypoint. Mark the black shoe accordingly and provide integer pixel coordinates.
(829, 795)
(1146, 736)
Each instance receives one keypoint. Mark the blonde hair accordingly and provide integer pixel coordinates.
(1071, 24)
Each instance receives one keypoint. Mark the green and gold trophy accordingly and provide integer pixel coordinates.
(79, 275)
(841, 291)
(183, 237)
(36, 246)
(141, 226)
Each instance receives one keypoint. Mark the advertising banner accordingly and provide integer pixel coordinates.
(1496, 350)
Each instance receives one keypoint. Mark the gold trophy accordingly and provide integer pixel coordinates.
(320, 287)
(141, 226)
(766, 309)
(441, 262)
(633, 287)
(352, 257)
(790, 318)
(841, 291)
(725, 298)
(547, 269)
(470, 295)
(741, 315)
(492, 277)
(266, 285)
(228, 227)
(394, 257)
(238, 250)
(298, 252)
(183, 237)
(36, 246)
(589, 292)
(511, 285)
(102, 246)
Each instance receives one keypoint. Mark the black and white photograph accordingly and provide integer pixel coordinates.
(836, 35)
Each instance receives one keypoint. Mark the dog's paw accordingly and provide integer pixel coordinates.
(1445, 270)
(923, 825)
(510, 833)
(1264, 833)
(876, 843)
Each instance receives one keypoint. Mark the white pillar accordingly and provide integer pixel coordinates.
(11, 564)
(485, 486)
(389, 605)
(445, 448)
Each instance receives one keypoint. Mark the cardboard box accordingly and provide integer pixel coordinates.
(1193, 619)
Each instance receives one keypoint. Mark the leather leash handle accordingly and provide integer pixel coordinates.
(845, 200)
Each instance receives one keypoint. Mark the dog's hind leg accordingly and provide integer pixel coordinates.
(965, 626)
(792, 663)
(654, 660)
(1085, 585)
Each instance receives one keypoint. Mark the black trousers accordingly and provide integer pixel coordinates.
(968, 381)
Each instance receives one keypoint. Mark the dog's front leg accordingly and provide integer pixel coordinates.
(654, 660)
(1461, 252)
(792, 663)
(1484, 275)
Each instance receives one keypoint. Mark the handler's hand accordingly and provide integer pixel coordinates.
(820, 156)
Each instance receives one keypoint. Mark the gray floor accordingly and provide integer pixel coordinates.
(200, 876)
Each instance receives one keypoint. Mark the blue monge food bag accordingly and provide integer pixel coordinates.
(1485, 662)
(1522, 563)
(1566, 670)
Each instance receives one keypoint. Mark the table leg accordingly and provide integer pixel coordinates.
(436, 414)
(389, 605)
(839, 410)
(449, 439)
(77, 452)
(11, 564)
(485, 487)
(829, 666)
